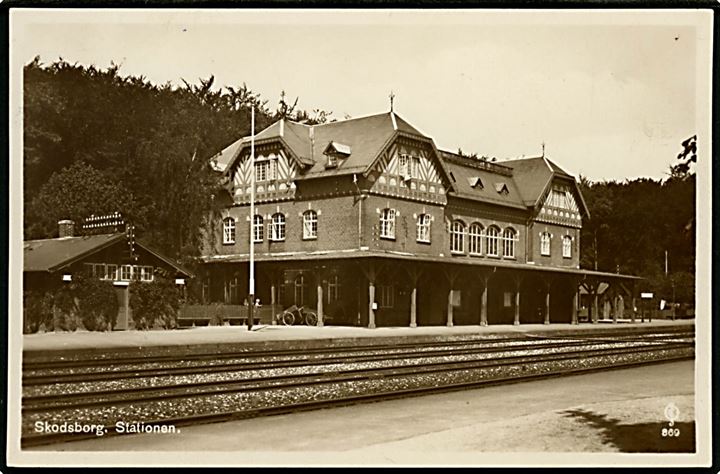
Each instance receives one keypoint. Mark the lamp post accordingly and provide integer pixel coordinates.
(251, 296)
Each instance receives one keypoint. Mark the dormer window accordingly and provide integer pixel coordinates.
(408, 166)
(476, 182)
(336, 152)
(502, 188)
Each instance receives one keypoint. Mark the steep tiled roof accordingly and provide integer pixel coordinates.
(464, 174)
(366, 136)
(48, 255)
(532, 176)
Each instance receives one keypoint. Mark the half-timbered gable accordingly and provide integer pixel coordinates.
(409, 169)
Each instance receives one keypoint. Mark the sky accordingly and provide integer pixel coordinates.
(610, 94)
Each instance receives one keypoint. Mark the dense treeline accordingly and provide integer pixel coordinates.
(633, 224)
(96, 141)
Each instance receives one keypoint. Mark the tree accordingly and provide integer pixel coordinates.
(74, 193)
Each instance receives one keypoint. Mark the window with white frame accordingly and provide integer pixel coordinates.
(509, 237)
(423, 228)
(277, 227)
(387, 223)
(310, 221)
(457, 237)
(111, 272)
(404, 165)
(126, 272)
(228, 230)
(266, 170)
(567, 246)
(333, 289)
(146, 273)
(386, 296)
(475, 234)
(409, 166)
(257, 230)
(492, 235)
(545, 243)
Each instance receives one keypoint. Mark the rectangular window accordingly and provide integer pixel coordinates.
(404, 165)
(545, 244)
(415, 167)
(258, 229)
(112, 272)
(146, 273)
(386, 296)
(423, 228)
(310, 222)
(126, 272)
(567, 246)
(262, 169)
(387, 223)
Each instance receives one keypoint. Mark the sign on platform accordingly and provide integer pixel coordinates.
(646, 296)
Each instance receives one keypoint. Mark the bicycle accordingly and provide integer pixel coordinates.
(300, 314)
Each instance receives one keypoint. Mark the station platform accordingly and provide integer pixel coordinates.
(213, 338)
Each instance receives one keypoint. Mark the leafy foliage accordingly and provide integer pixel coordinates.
(154, 303)
(96, 141)
(37, 311)
(97, 304)
(631, 226)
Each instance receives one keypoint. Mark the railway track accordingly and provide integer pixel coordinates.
(247, 385)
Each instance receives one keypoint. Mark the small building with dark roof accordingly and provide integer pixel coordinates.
(49, 263)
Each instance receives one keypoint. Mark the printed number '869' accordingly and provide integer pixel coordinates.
(670, 432)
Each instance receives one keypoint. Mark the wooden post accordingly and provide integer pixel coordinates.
(632, 310)
(450, 307)
(273, 300)
(517, 302)
(576, 304)
(319, 302)
(614, 308)
(371, 311)
(483, 302)
(413, 306)
(547, 304)
(620, 307)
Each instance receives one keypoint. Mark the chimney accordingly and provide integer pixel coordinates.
(66, 228)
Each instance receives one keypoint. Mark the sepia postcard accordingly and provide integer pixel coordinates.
(323, 237)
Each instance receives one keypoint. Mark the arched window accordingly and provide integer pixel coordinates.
(228, 230)
(300, 290)
(545, 243)
(509, 238)
(567, 246)
(491, 241)
(277, 229)
(258, 227)
(457, 237)
(387, 223)
(423, 228)
(475, 238)
(310, 221)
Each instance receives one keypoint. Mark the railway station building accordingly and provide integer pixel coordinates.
(367, 222)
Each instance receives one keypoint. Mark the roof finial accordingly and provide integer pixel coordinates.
(392, 99)
(543, 149)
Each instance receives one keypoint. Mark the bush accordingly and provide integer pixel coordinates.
(154, 303)
(65, 313)
(37, 311)
(96, 302)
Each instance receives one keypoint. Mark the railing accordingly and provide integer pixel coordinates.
(219, 314)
